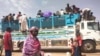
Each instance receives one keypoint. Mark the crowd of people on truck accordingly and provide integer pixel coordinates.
(32, 45)
(86, 13)
(21, 19)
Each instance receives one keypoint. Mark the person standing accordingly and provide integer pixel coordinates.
(18, 17)
(31, 46)
(24, 25)
(75, 48)
(8, 46)
(39, 13)
(79, 40)
(68, 9)
(77, 43)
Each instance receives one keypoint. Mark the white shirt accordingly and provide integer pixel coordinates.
(61, 12)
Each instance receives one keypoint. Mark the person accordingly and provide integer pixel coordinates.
(19, 14)
(58, 13)
(75, 9)
(20, 21)
(86, 12)
(61, 12)
(8, 42)
(39, 13)
(68, 9)
(31, 46)
(1, 44)
(18, 17)
(79, 39)
(24, 26)
(9, 18)
(75, 48)
(15, 23)
(91, 16)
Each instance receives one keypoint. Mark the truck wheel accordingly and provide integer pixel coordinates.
(88, 46)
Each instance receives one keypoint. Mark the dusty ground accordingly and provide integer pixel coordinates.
(97, 53)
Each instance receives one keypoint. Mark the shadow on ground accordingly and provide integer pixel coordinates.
(98, 51)
(52, 50)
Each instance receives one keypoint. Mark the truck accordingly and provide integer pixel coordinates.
(55, 32)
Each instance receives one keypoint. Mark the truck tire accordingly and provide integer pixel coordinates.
(89, 46)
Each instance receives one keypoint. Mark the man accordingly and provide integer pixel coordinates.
(79, 40)
(24, 25)
(18, 17)
(8, 42)
(68, 9)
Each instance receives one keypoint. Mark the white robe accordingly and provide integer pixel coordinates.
(23, 21)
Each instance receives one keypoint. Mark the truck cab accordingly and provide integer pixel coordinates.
(90, 34)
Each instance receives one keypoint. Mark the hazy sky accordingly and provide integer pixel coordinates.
(30, 7)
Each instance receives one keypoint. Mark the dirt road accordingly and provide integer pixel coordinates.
(97, 53)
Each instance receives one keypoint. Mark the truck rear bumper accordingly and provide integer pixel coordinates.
(56, 48)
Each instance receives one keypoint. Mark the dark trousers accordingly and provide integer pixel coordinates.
(77, 51)
(8, 53)
(80, 50)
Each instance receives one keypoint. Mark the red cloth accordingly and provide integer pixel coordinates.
(7, 39)
(79, 39)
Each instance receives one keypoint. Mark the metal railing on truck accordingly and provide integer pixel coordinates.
(51, 22)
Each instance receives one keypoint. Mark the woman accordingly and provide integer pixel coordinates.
(31, 45)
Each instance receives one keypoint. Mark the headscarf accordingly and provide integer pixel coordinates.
(31, 45)
(33, 28)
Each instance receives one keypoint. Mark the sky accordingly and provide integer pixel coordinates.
(30, 7)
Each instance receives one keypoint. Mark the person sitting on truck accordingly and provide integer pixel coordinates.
(91, 16)
(68, 9)
(61, 12)
(32, 45)
(75, 9)
(39, 13)
(86, 12)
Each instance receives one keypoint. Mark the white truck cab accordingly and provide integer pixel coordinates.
(90, 34)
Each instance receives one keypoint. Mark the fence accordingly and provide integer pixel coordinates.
(51, 22)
